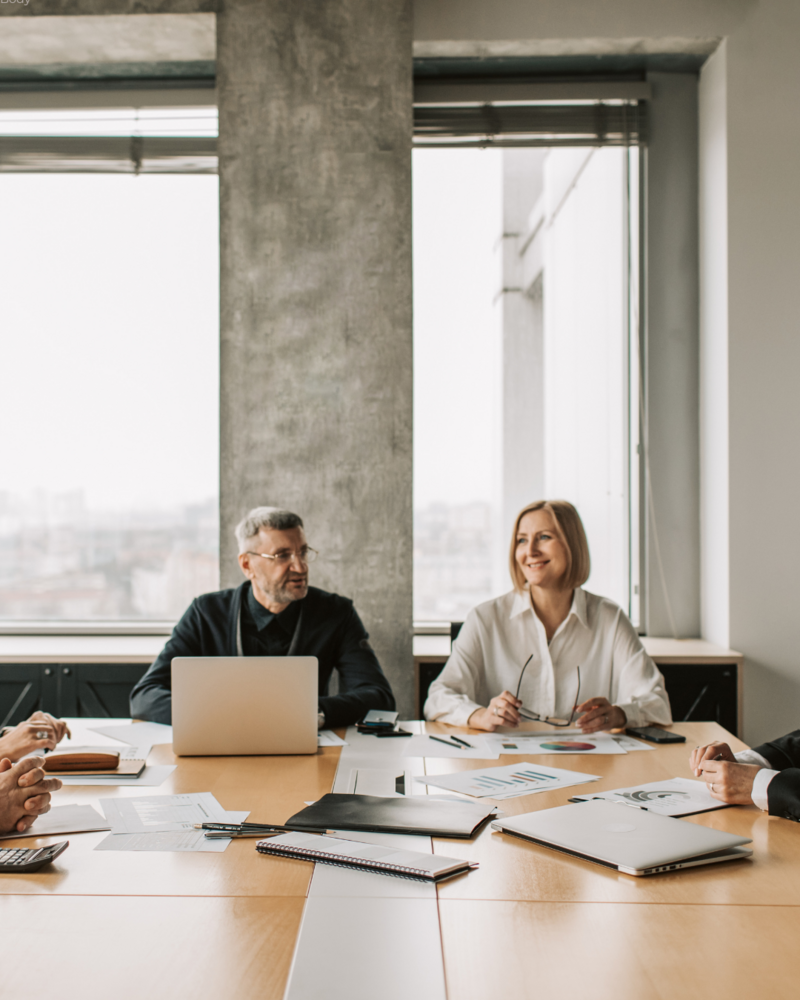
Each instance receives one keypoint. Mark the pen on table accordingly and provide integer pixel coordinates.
(463, 742)
(242, 827)
(447, 743)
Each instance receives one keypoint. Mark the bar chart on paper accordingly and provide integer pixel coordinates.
(508, 782)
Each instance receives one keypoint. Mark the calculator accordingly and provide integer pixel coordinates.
(29, 859)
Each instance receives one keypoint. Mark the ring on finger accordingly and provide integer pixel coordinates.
(494, 709)
(41, 734)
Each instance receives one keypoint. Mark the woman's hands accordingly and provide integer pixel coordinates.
(598, 714)
(40, 732)
(502, 711)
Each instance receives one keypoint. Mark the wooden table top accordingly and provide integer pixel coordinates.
(212, 925)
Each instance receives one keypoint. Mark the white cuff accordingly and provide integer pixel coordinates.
(751, 757)
(760, 786)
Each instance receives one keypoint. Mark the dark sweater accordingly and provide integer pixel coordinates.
(330, 629)
(783, 794)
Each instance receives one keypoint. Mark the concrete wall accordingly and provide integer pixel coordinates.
(315, 240)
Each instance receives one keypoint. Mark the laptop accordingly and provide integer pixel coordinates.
(242, 705)
(628, 839)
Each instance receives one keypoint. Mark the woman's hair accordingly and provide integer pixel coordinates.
(569, 528)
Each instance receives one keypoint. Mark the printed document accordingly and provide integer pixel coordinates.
(165, 823)
(676, 797)
(557, 742)
(508, 782)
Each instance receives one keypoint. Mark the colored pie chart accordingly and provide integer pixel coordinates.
(568, 746)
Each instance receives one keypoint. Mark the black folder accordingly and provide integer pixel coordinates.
(421, 814)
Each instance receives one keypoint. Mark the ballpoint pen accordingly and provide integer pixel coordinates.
(215, 831)
(447, 743)
(463, 742)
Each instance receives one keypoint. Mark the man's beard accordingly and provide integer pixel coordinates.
(286, 594)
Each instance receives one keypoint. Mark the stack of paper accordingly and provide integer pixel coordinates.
(165, 823)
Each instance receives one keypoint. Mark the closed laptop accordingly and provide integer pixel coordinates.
(244, 705)
(631, 840)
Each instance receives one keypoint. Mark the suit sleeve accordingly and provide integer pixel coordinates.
(362, 683)
(783, 792)
(151, 698)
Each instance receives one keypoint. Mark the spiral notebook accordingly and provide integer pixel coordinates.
(364, 857)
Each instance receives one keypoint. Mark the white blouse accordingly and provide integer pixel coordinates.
(499, 636)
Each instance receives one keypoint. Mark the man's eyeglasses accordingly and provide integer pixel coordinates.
(534, 716)
(305, 556)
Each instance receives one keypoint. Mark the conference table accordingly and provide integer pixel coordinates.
(527, 922)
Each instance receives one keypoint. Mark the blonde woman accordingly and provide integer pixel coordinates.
(548, 650)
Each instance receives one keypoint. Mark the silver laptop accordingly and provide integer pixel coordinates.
(239, 705)
(631, 840)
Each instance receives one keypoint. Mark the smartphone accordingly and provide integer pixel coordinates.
(29, 859)
(655, 735)
(375, 719)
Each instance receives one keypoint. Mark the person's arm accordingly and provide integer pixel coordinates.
(151, 698)
(454, 696)
(637, 684)
(743, 778)
(362, 683)
(783, 788)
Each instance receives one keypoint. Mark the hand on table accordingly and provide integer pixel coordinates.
(40, 732)
(502, 711)
(24, 793)
(598, 714)
(711, 751)
(726, 779)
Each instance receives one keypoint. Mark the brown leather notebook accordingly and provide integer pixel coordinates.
(90, 762)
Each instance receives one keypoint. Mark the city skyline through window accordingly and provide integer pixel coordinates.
(108, 395)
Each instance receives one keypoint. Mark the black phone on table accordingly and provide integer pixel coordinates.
(655, 735)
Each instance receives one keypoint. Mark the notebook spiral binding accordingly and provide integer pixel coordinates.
(398, 871)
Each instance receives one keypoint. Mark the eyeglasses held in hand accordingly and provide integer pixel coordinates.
(534, 716)
(305, 556)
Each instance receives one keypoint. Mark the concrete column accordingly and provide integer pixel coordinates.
(315, 106)
(672, 589)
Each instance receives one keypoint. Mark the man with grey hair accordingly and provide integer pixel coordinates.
(274, 613)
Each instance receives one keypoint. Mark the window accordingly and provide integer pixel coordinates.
(525, 362)
(108, 395)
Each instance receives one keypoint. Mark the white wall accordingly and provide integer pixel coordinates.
(714, 478)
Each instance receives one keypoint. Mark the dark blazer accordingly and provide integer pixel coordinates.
(783, 794)
(330, 630)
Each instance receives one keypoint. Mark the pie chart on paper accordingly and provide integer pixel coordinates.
(568, 746)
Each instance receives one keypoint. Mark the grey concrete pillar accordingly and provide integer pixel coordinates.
(671, 358)
(315, 106)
